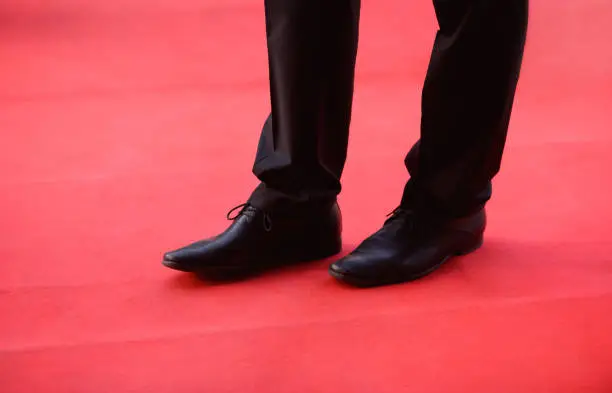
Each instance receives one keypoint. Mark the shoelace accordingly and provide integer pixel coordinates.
(397, 213)
(248, 210)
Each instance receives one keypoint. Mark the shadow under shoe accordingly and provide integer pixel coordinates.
(409, 247)
(258, 240)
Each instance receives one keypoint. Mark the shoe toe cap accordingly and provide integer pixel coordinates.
(174, 261)
(183, 255)
(185, 258)
(353, 265)
(171, 256)
(202, 254)
(338, 267)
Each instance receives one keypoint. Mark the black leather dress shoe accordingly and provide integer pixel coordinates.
(258, 240)
(408, 247)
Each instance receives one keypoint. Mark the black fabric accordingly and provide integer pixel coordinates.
(466, 104)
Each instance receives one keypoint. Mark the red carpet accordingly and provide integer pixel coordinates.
(129, 128)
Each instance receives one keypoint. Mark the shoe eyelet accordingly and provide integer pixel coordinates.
(267, 222)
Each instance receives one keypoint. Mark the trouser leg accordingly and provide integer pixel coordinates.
(312, 46)
(466, 104)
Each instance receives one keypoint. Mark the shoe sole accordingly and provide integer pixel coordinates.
(362, 282)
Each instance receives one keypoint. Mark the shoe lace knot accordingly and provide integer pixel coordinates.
(250, 211)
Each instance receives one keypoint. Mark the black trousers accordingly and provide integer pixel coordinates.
(466, 104)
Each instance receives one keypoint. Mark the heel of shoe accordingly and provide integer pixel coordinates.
(474, 243)
(317, 249)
